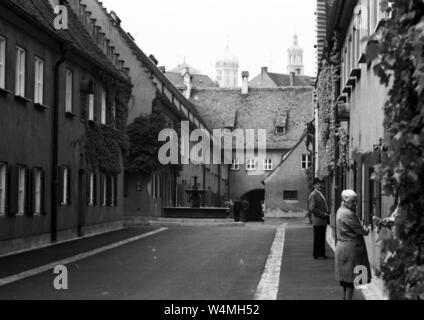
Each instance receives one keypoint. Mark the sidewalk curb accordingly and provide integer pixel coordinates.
(370, 291)
(173, 222)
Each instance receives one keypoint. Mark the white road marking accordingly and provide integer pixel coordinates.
(47, 267)
(270, 281)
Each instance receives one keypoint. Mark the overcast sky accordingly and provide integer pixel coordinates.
(259, 32)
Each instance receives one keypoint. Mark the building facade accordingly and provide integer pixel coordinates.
(359, 103)
(60, 96)
(147, 193)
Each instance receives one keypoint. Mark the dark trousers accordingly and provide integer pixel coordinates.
(319, 241)
(236, 215)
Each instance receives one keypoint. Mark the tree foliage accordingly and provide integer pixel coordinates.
(399, 63)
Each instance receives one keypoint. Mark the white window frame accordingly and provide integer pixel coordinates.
(64, 200)
(2, 63)
(69, 91)
(20, 77)
(306, 161)
(38, 80)
(103, 107)
(21, 190)
(112, 191)
(91, 107)
(268, 165)
(104, 190)
(251, 165)
(278, 132)
(3, 186)
(91, 191)
(236, 164)
(37, 191)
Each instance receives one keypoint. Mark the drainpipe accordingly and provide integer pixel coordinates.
(55, 143)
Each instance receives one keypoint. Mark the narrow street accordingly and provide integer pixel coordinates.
(186, 263)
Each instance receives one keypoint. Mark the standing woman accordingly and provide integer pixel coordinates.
(351, 251)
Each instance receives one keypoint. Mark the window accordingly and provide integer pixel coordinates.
(251, 165)
(20, 72)
(103, 109)
(64, 186)
(236, 164)
(21, 190)
(290, 195)
(91, 189)
(38, 81)
(113, 191)
(3, 170)
(268, 165)
(37, 191)
(306, 161)
(103, 190)
(69, 80)
(2, 63)
(281, 130)
(91, 107)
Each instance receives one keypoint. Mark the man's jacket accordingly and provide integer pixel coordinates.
(318, 209)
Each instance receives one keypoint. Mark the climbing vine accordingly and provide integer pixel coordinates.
(399, 62)
(104, 145)
(327, 117)
(144, 146)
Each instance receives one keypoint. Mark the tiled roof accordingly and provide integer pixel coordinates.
(183, 66)
(40, 12)
(283, 80)
(198, 80)
(154, 69)
(260, 109)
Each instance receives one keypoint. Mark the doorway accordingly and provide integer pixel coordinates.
(256, 199)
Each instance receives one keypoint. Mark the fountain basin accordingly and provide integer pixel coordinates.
(195, 213)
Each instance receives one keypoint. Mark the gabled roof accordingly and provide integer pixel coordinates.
(283, 80)
(40, 14)
(260, 109)
(154, 70)
(198, 80)
(287, 155)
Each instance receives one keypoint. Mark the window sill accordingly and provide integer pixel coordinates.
(4, 91)
(22, 99)
(70, 115)
(41, 106)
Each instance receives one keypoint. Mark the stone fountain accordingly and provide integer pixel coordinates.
(196, 211)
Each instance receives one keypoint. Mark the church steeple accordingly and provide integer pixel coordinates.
(295, 58)
(227, 69)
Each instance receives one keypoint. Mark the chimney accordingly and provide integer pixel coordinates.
(187, 82)
(292, 75)
(162, 69)
(245, 84)
(115, 18)
(264, 70)
(152, 57)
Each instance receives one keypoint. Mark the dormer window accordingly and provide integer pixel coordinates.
(281, 124)
(281, 130)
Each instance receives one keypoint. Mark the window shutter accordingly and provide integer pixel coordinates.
(87, 187)
(95, 190)
(43, 193)
(33, 183)
(61, 179)
(68, 189)
(28, 192)
(115, 190)
(108, 191)
(7, 185)
(14, 190)
(102, 188)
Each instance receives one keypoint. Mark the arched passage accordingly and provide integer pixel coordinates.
(256, 199)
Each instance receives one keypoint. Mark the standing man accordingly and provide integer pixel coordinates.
(320, 214)
(236, 210)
